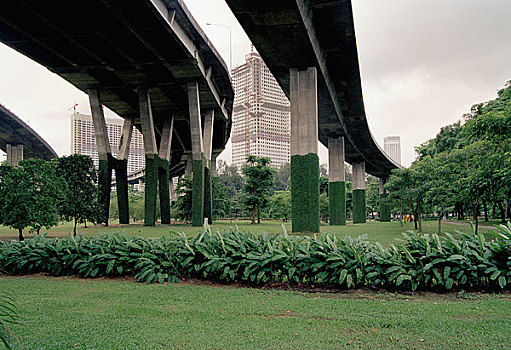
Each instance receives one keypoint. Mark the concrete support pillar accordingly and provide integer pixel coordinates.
(188, 167)
(337, 181)
(384, 207)
(359, 193)
(121, 171)
(104, 155)
(213, 164)
(209, 118)
(304, 150)
(163, 170)
(14, 154)
(151, 157)
(198, 159)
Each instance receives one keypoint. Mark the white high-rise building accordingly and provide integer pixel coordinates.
(261, 114)
(83, 140)
(392, 146)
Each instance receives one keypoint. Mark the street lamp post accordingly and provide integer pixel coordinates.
(230, 41)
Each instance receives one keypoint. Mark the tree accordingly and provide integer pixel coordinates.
(29, 195)
(282, 177)
(280, 205)
(79, 201)
(373, 196)
(184, 200)
(222, 198)
(324, 207)
(323, 185)
(259, 179)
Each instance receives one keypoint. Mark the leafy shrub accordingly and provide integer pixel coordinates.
(420, 262)
(8, 316)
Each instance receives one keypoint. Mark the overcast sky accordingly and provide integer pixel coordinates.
(423, 65)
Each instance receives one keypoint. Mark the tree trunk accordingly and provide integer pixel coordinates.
(74, 228)
(494, 210)
(253, 213)
(419, 215)
(20, 232)
(485, 208)
(85, 224)
(258, 214)
(401, 213)
(414, 215)
(508, 209)
(502, 213)
(441, 216)
(474, 211)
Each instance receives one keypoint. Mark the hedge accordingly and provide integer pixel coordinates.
(359, 206)
(305, 193)
(421, 262)
(337, 201)
(198, 191)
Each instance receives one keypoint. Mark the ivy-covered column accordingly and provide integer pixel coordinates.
(304, 150)
(163, 170)
(104, 155)
(209, 118)
(384, 207)
(151, 157)
(359, 193)
(121, 187)
(198, 159)
(337, 181)
(121, 171)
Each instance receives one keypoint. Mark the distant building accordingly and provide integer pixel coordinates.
(83, 140)
(261, 114)
(392, 146)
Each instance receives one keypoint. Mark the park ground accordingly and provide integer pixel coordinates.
(74, 313)
(383, 232)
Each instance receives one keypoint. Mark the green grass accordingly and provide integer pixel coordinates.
(68, 313)
(383, 232)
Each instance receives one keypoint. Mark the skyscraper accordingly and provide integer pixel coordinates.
(261, 114)
(83, 140)
(392, 146)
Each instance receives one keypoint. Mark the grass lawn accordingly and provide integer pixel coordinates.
(383, 232)
(68, 313)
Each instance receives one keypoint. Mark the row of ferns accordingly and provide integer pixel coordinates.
(420, 262)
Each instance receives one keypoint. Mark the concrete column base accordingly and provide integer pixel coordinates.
(151, 189)
(384, 209)
(198, 192)
(305, 193)
(337, 201)
(104, 189)
(359, 206)
(121, 184)
(163, 182)
(208, 195)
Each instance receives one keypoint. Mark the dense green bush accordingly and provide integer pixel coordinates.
(305, 192)
(420, 262)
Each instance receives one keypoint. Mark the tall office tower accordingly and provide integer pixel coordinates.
(392, 146)
(261, 114)
(83, 140)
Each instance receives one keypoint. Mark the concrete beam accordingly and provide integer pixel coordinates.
(125, 140)
(146, 119)
(195, 120)
(99, 123)
(166, 139)
(209, 119)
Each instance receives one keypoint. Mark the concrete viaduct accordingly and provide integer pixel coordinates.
(310, 47)
(149, 62)
(19, 140)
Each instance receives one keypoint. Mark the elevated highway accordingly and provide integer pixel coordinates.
(318, 33)
(146, 60)
(15, 132)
